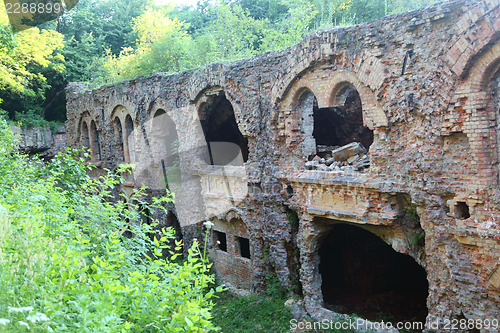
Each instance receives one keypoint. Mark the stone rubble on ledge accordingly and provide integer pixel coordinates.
(351, 157)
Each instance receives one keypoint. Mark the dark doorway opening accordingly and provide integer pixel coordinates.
(118, 130)
(362, 274)
(219, 126)
(166, 149)
(339, 126)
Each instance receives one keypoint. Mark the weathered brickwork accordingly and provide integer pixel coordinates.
(428, 84)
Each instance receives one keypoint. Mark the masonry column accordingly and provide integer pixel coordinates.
(308, 243)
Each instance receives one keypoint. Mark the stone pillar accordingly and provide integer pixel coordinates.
(308, 243)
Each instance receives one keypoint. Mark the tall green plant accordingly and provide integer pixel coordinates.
(66, 266)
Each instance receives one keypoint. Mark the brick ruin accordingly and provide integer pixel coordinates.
(360, 166)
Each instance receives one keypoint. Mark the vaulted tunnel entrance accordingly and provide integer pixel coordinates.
(219, 126)
(362, 274)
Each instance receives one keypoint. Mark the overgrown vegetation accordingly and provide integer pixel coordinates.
(65, 265)
(105, 41)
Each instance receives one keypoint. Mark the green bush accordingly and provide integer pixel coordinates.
(65, 265)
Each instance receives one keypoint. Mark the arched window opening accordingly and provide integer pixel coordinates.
(306, 105)
(341, 140)
(166, 148)
(339, 126)
(362, 274)
(130, 143)
(224, 139)
(119, 138)
(85, 135)
(96, 142)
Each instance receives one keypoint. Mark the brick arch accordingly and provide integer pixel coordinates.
(162, 132)
(156, 111)
(85, 120)
(116, 99)
(212, 76)
(234, 215)
(370, 71)
(373, 115)
(197, 101)
(325, 86)
(117, 121)
(480, 75)
(120, 111)
(470, 111)
(302, 89)
(474, 32)
(95, 140)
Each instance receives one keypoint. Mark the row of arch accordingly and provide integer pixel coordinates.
(218, 123)
(323, 125)
(124, 136)
(91, 138)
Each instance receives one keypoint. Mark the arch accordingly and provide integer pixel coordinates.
(129, 140)
(475, 87)
(306, 106)
(165, 148)
(363, 274)
(226, 144)
(462, 49)
(118, 138)
(474, 100)
(95, 143)
(373, 115)
(339, 122)
(232, 214)
(85, 138)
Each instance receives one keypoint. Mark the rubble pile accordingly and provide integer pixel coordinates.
(351, 157)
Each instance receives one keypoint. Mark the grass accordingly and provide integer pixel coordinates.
(255, 313)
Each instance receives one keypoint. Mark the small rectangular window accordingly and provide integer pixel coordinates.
(462, 210)
(221, 238)
(244, 247)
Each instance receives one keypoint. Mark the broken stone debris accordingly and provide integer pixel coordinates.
(351, 157)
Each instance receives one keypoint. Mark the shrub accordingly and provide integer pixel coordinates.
(65, 265)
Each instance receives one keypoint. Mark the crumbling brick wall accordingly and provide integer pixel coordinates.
(428, 85)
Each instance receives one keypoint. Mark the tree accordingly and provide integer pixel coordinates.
(162, 45)
(272, 10)
(291, 28)
(26, 61)
(234, 33)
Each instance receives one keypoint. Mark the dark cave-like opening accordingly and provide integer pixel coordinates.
(166, 148)
(339, 126)
(220, 128)
(362, 274)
